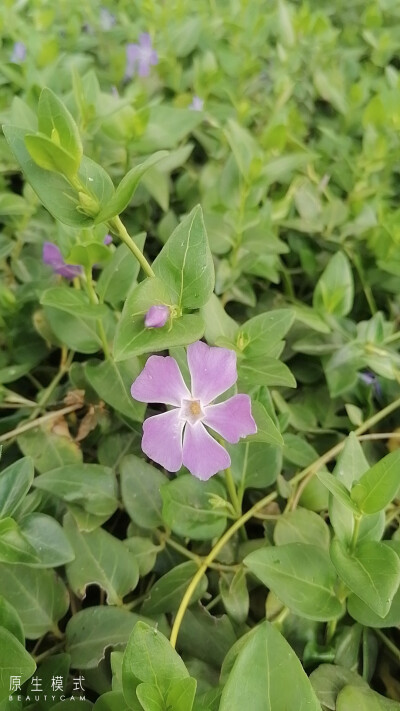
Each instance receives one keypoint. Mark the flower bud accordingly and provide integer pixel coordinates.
(157, 316)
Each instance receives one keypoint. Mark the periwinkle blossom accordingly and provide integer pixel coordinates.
(369, 378)
(53, 257)
(140, 57)
(179, 436)
(18, 54)
(156, 316)
(197, 104)
(107, 240)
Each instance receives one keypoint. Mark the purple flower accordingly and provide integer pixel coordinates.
(107, 240)
(157, 316)
(179, 436)
(53, 257)
(107, 19)
(19, 53)
(369, 378)
(197, 104)
(140, 57)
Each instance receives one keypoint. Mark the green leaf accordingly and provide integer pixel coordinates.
(338, 490)
(363, 614)
(39, 597)
(261, 334)
(265, 371)
(127, 187)
(261, 672)
(372, 572)
(90, 632)
(166, 127)
(89, 254)
(47, 537)
(100, 559)
(267, 431)
(53, 116)
(378, 486)
(77, 333)
(14, 661)
(133, 338)
(15, 482)
(167, 593)
(72, 302)
(112, 382)
(301, 526)
(150, 658)
(301, 576)
(185, 263)
(198, 627)
(334, 292)
(351, 465)
(150, 697)
(50, 156)
(119, 274)
(14, 547)
(53, 190)
(187, 507)
(235, 596)
(181, 694)
(355, 697)
(140, 491)
(329, 679)
(10, 620)
(88, 485)
(49, 449)
(111, 701)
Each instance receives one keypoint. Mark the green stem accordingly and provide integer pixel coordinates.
(119, 228)
(356, 531)
(47, 392)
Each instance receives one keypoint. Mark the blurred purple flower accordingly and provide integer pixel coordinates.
(107, 240)
(197, 104)
(369, 378)
(140, 57)
(18, 54)
(107, 19)
(157, 316)
(53, 257)
(179, 436)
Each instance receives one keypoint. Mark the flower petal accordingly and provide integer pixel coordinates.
(232, 419)
(157, 316)
(213, 370)
(160, 381)
(202, 455)
(162, 439)
(52, 255)
(69, 271)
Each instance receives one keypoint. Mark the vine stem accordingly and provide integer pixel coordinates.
(94, 300)
(311, 469)
(118, 226)
(39, 421)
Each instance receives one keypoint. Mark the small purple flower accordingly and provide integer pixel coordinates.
(107, 19)
(107, 240)
(179, 436)
(53, 257)
(369, 378)
(19, 53)
(197, 104)
(157, 316)
(140, 57)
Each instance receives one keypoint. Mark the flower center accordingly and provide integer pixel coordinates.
(191, 411)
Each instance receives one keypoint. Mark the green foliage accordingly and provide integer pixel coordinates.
(248, 183)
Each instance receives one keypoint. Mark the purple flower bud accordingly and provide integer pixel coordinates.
(19, 53)
(140, 57)
(197, 104)
(53, 257)
(107, 240)
(157, 316)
